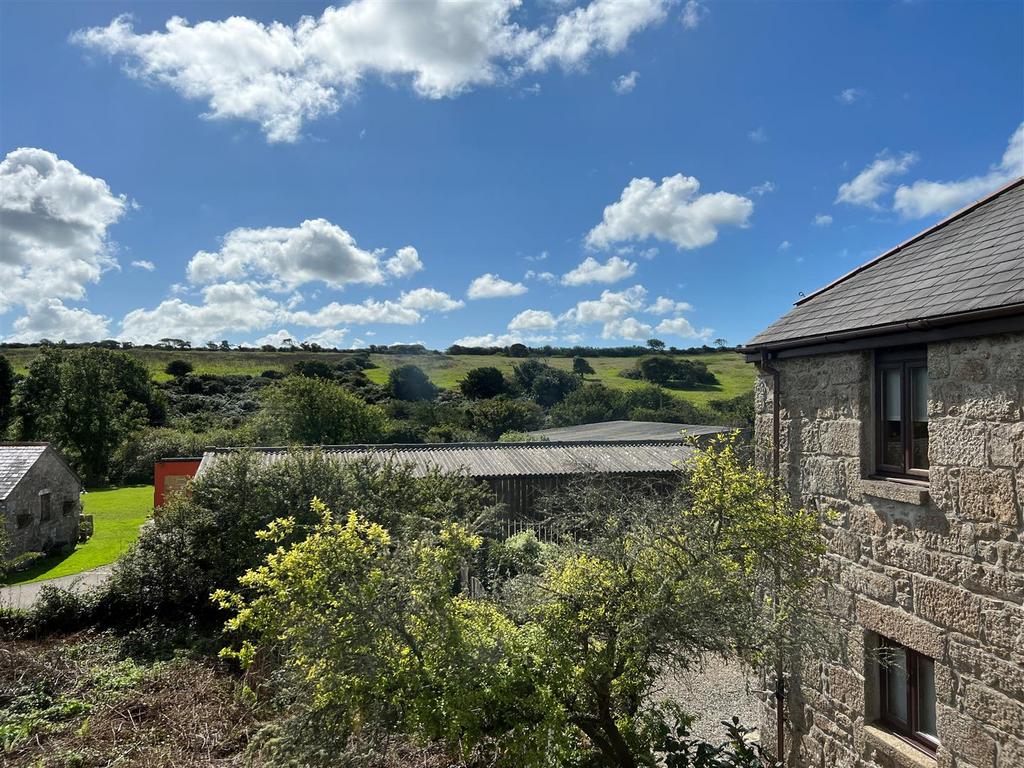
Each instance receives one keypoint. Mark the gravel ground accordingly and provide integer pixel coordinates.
(713, 692)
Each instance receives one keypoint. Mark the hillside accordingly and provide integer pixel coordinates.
(734, 375)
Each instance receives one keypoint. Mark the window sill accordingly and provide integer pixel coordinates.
(905, 491)
(902, 754)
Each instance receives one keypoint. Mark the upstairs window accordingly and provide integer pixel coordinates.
(907, 694)
(901, 397)
(44, 506)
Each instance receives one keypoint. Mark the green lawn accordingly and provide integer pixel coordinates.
(117, 514)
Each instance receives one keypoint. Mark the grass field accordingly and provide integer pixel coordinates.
(117, 514)
(734, 375)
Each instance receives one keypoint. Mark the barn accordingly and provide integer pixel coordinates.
(40, 498)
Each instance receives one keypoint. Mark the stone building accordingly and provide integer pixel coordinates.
(40, 498)
(895, 398)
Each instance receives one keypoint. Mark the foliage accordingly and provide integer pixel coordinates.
(313, 369)
(588, 405)
(656, 344)
(87, 402)
(557, 666)
(597, 402)
(6, 394)
(520, 437)
(581, 367)
(499, 415)
(545, 384)
(661, 369)
(315, 412)
(409, 382)
(483, 383)
(682, 750)
(178, 368)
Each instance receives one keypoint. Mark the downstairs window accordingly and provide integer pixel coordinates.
(907, 694)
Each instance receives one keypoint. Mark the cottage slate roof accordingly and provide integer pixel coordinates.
(628, 430)
(501, 459)
(15, 461)
(973, 260)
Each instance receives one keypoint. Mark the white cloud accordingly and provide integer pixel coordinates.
(282, 76)
(365, 313)
(149, 266)
(627, 328)
(785, 245)
(429, 299)
(871, 183)
(925, 198)
(672, 211)
(405, 262)
(758, 135)
(850, 95)
(680, 326)
(544, 277)
(612, 305)
(694, 13)
(316, 250)
(590, 270)
(532, 320)
(489, 340)
(50, 319)
(226, 308)
(53, 228)
(822, 220)
(665, 306)
(332, 337)
(624, 84)
(490, 286)
(762, 189)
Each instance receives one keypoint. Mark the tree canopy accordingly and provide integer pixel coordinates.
(311, 411)
(482, 383)
(409, 382)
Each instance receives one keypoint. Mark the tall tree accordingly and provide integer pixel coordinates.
(409, 382)
(582, 367)
(6, 394)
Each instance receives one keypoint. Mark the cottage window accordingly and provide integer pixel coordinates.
(44, 506)
(67, 507)
(907, 694)
(901, 396)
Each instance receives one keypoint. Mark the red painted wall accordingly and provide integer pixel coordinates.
(169, 475)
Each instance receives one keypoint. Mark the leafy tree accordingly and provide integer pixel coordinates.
(582, 367)
(656, 344)
(409, 382)
(658, 370)
(6, 394)
(553, 385)
(178, 368)
(313, 369)
(518, 350)
(87, 401)
(499, 415)
(665, 370)
(559, 665)
(483, 383)
(720, 343)
(589, 405)
(315, 412)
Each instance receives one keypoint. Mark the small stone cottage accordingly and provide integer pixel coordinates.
(40, 498)
(895, 397)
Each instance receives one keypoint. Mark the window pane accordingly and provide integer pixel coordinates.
(892, 422)
(919, 423)
(895, 670)
(926, 696)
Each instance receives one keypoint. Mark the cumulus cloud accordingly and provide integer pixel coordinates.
(53, 228)
(627, 328)
(624, 84)
(532, 320)
(822, 220)
(489, 340)
(612, 305)
(282, 76)
(665, 306)
(429, 299)
(489, 286)
(694, 13)
(227, 308)
(672, 211)
(543, 277)
(50, 319)
(680, 326)
(149, 266)
(331, 338)
(925, 198)
(590, 270)
(364, 313)
(405, 262)
(867, 186)
(314, 251)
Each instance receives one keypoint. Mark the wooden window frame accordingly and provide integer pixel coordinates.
(909, 730)
(905, 361)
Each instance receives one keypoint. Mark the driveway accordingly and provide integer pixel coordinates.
(24, 595)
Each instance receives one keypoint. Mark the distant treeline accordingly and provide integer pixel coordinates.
(521, 350)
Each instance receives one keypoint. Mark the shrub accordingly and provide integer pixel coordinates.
(588, 405)
(409, 382)
(582, 367)
(313, 369)
(178, 368)
(483, 383)
(662, 369)
(552, 386)
(315, 412)
(498, 415)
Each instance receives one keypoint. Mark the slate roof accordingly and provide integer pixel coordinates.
(628, 430)
(973, 260)
(502, 459)
(15, 461)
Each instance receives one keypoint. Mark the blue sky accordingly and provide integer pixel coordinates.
(560, 173)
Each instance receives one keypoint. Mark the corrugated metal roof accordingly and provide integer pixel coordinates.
(15, 461)
(501, 459)
(628, 430)
(972, 261)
